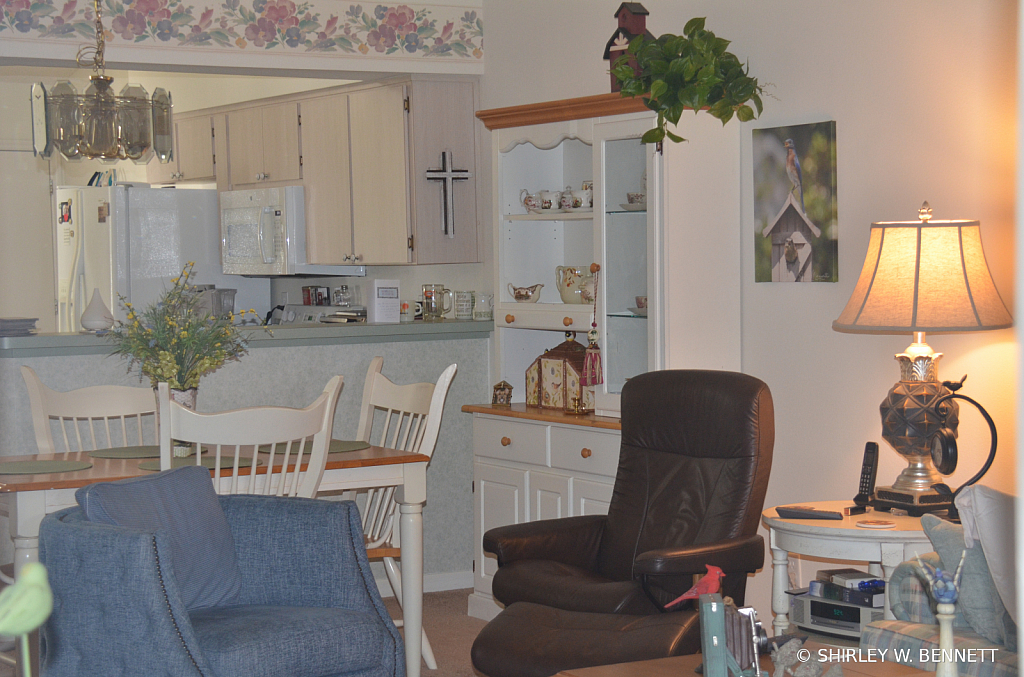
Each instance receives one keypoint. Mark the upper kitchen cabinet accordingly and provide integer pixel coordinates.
(263, 145)
(443, 182)
(380, 170)
(193, 153)
(327, 181)
(389, 174)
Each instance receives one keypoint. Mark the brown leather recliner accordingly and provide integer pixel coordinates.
(693, 470)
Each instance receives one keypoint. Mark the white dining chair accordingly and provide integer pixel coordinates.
(408, 417)
(292, 443)
(91, 418)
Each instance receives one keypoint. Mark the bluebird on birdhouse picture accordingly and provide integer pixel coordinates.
(796, 235)
(632, 17)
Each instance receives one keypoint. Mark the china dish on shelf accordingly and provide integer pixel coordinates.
(642, 312)
(637, 207)
(575, 210)
(553, 210)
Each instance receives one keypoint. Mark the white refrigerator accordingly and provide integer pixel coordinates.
(131, 241)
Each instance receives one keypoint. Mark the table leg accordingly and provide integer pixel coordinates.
(26, 510)
(780, 583)
(892, 556)
(411, 526)
(410, 497)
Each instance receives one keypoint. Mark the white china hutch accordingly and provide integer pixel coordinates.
(678, 246)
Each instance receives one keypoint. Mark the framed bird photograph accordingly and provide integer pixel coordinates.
(796, 236)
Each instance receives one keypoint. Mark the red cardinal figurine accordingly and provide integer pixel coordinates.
(709, 583)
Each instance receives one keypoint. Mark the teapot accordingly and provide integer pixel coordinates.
(572, 284)
(525, 294)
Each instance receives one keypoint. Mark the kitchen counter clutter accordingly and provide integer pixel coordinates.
(280, 336)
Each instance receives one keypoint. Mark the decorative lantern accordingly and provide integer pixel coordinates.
(502, 396)
(554, 380)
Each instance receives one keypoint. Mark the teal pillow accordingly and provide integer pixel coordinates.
(979, 600)
(182, 504)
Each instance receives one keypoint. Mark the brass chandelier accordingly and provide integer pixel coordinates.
(99, 125)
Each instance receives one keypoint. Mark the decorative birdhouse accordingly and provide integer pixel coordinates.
(792, 232)
(502, 395)
(632, 18)
(553, 381)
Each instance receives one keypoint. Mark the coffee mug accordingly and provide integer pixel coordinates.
(410, 310)
(464, 305)
(434, 307)
(483, 309)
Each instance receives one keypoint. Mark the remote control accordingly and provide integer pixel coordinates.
(806, 512)
(867, 474)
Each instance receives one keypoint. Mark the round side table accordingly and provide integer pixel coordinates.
(883, 549)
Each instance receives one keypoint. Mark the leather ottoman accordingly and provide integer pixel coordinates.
(533, 640)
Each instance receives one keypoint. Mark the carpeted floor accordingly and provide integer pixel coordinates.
(450, 630)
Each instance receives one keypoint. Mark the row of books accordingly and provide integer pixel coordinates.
(848, 585)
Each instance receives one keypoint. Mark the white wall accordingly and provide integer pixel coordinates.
(923, 93)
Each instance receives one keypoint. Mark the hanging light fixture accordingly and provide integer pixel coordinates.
(98, 124)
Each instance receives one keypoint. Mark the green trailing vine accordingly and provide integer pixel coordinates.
(690, 71)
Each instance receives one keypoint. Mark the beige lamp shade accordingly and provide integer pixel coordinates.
(924, 276)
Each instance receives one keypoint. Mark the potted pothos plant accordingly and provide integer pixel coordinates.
(692, 71)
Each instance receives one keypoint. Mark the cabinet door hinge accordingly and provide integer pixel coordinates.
(214, 158)
(474, 566)
(51, 185)
(300, 160)
(473, 484)
(213, 133)
(300, 119)
(410, 242)
(405, 105)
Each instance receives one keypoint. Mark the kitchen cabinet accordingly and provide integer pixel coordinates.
(327, 179)
(366, 153)
(263, 145)
(380, 167)
(679, 248)
(531, 465)
(194, 155)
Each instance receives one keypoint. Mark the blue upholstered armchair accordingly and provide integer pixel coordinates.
(306, 605)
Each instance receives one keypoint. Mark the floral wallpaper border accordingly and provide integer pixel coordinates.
(278, 26)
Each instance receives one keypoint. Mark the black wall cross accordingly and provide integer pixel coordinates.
(448, 176)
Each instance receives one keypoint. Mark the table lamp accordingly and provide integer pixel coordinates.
(918, 277)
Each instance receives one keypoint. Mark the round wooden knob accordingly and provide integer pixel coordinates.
(509, 319)
(585, 453)
(594, 267)
(567, 321)
(505, 441)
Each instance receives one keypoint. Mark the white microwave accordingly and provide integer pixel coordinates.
(263, 232)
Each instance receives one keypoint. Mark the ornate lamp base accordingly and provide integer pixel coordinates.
(909, 420)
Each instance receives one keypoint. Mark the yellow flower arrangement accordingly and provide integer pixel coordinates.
(173, 340)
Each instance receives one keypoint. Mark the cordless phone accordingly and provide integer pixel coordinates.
(867, 474)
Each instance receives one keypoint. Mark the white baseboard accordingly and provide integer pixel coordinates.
(483, 607)
(453, 580)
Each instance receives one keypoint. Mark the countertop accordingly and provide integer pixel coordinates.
(520, 410)
(279, 336)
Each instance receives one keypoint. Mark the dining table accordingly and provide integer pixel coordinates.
(26, 498)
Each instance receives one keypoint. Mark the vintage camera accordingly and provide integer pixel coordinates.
(732, 638)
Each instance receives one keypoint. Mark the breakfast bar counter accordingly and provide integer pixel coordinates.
(279, 336)
(290, 368)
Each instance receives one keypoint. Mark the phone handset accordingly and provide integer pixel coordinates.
(868, 470)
